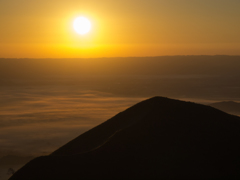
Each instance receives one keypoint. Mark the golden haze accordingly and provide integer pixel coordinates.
(127, 28)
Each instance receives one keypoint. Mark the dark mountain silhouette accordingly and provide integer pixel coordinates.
(227, 106)
(158, 138)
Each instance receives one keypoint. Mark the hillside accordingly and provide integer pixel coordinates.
(158, 138)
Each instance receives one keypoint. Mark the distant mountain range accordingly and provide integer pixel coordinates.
(197, 66)
(227, 106)
(201, 77)
(158, 138)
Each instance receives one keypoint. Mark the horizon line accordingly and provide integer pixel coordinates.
(115, 57)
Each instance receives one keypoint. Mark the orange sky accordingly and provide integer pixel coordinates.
(43, 29)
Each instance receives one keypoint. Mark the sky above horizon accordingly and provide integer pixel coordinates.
(43, 29)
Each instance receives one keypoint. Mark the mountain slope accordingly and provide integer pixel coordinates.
(158, 138)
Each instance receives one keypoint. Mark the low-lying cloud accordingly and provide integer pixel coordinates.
(37, 121)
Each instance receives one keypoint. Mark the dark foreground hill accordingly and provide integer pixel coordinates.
(158, 138)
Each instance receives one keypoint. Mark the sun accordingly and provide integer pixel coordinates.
(82, 25)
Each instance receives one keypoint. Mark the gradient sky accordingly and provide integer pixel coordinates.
(43, 28)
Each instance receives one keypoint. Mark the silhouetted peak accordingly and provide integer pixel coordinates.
(158, 98)
(156, 111)
(158, 138)
(227, 102)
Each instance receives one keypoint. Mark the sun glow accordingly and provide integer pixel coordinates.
(82, 25)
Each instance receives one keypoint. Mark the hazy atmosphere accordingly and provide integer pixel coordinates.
(43, 29)
(47, 102)
(68, 66)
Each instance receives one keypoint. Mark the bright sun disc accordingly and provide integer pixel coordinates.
(82, 25)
